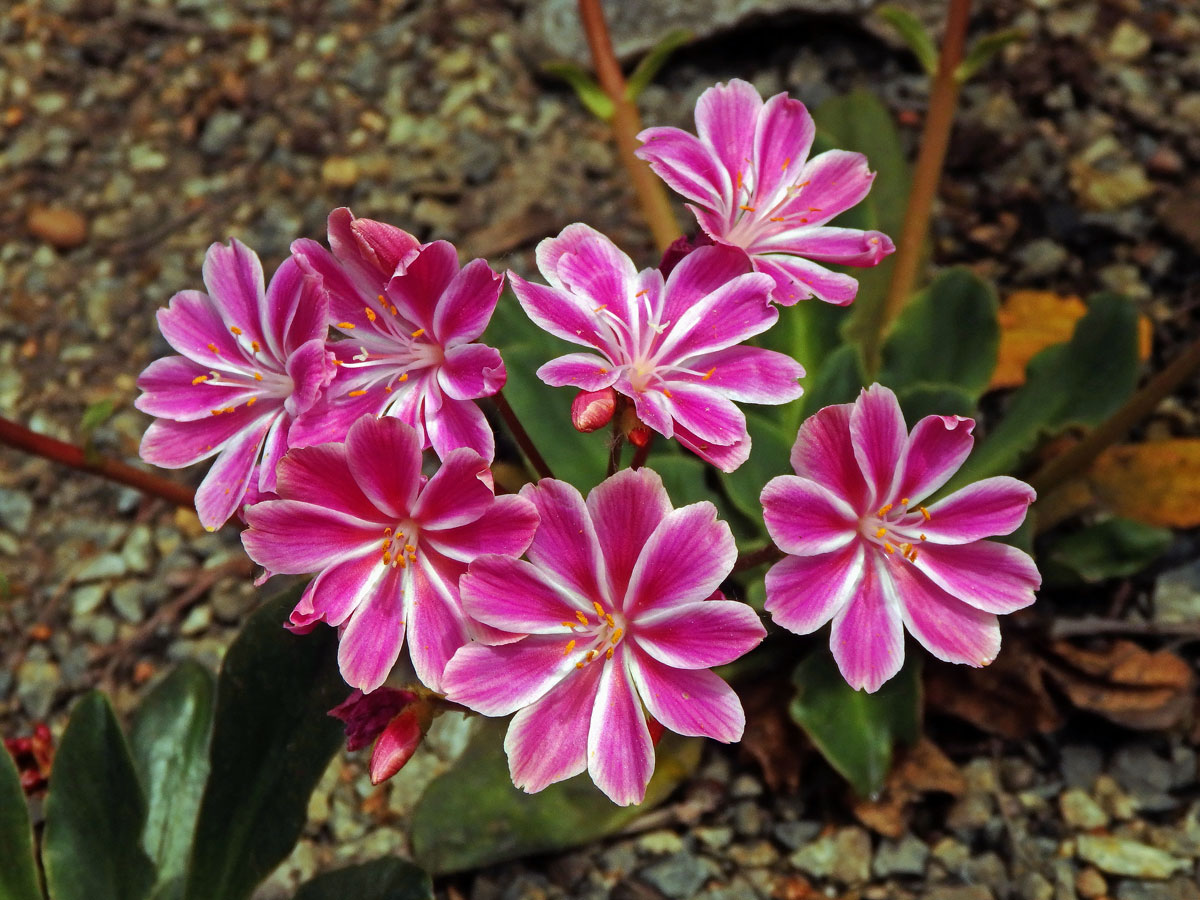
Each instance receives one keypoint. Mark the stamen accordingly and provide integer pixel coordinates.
(356, 393)
(925, 513)
(617, 635)
(591, 654)
(403, 377)
(418, 332)
(667, 393)
(570, 647)
(251, 401)
(888, 548)
(568, 625)
(881, 532)
(387, 531)
(581, 617)
(609, 619)
(345, 324)
(904, 501)
(199, 378)
(642, 293)
(409, 548)
(599, 609)
(387, 558)
(370, 313)
(786, 162)
(746, 208)
(258, 376)
(924, 538)
(709, 374)
(600, 307)
(213, 348)
(777, 219)
(579, 665)
(412, 557)
(608, 654)
(884, 510)
(235, 329)
(255, 346)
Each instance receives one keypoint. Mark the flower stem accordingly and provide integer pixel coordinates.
(625, 124)
(642, 453)
(927, 173)
(614, 447)
(22, 438)
(521, 436)
(756, 558)
(1080, 457)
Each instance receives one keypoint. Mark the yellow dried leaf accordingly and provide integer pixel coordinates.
(1157, 483)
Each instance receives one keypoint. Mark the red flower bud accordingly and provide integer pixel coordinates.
(396, 745)
(591, 410)
(367, 715)
(635, 431)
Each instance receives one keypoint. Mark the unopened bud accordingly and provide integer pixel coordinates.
(680, 248)
(591, 410)
(396, 745)
(367, 715)
(634, 429)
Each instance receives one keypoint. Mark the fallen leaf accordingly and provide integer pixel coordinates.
(771, 738)
(921, 769)
(1157, 483)
(1124, 683)
(1031, 321)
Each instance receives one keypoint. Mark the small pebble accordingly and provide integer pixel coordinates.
(58, 226)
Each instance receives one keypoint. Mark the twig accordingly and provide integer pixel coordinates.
(625, 123)
(935, 139)
(756, 558)
(22, 438)
(1092, 627)
(521, 436)
(614, 446)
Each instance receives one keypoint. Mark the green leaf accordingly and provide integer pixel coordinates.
(856, 731)
(654, 60)
(913, 33)
(947, 336)
(272, 740)
(923, 400)
(473, 816)
(169, 739)
(590, 94)
(545, 412)
(1080, 382)
(380, 879)
(839, 380)
(1115, 548)
(18, 870)
(770, 449)
(95, 812)
(984, 49)
(95, 416)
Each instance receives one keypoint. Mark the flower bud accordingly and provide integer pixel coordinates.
(396, 745)
(367, 715)
(371, 251)
(635, 431)
(591, 410)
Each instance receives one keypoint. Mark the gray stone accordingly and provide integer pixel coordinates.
(660, 842)
(1118, 856)
(678, 876)
(1145, 775)
(138, 548)
(748, 818)
(16, 509)
(714, 838)
(906, 856)
(1041, 258)
(86, 600)
(37, 682)
(745, 786)
(1080, 764)
(795, 835)
(106, 565)
(1181, 888)
(1081, 811)
(127, 601)
(959, 892)
(758, 854)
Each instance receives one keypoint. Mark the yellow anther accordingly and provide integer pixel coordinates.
(418, 332)
(579, 665)
(777, 219)
(235, 329)
(345, 324)
(381, 299)
(570, 647)
(412, 557)
(884, 510)
(213, 348)
(746, 208)
(667, 393)
(904, 501)
(570, 625)
(786, 162)
(925, 513)
(199, 378)
(642, 293)
(600, 307)
(608, 653)
(387, 558)
(370, 313)
(591, 654)
(258, 376)
(400, 562)
(814, 209)
(255, 346)
(599, 609)
(912, 557)
(357, 393)
(388, 389)
(888, 548)
(616, 637)
(403, 377)
(409, 548)
(709, 374)
(881, 532)
(609, 619)
(581, 617)
(387, 531)
(924, 538)
(251, 401)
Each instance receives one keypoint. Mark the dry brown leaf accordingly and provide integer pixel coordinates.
(1125, 683)
(771, 738)
(921, 769)
(1157, 483)
(1007, 698)
(1031, 321)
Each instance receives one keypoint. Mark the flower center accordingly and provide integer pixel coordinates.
(398, 547)
(896, 527)
(253, 371)
(591, 639)
(390, 347)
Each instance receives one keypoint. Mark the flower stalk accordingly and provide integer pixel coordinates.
(521, 436)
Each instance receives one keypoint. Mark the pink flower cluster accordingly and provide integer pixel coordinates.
(593, 621)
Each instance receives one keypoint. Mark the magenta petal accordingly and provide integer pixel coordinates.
(466, 305)
(694, 702)
(371, 252)
(295, 538)
(385, 460)
(837, 180)
(686, 164)
(395, 746)
(703, 271)
(867, 638)
(729, 315)
(946, 626)
(990, 576)
(497, 681)
(234, 278)
(990, 507)
(274, 445)
(879, 435)
(471, 371)
(512, 595)
(620, 752)
(310, 368)
(806, 518)
(823, 453)
(843, 246)
(652, 407)
(937, 447)
(170, 390)
(418, 290)
(344, 298)
(505, 528)
(725, 457)
(783, 136)
(192, 324)
(343, 587)
(726, 116)
(559, 312)
(749, 374)
(625, 510)
(453, 424)
(329, 419)
(585, 371)
(565, 543)
(706, 413)
(547, 742)
(173, 445)
(437, 626)
(597, 270)
(223, 488)
(459, 492)
(296, 308)
(799, 279)
(371, 640)
(699, 635)
(805, 592)
(685, 559)
(321, 475)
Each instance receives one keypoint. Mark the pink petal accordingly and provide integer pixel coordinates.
(725, 457)
(694, 702)
(294, 538)
(547, 742)
(343, 296)
(990, 507)
(417, 292)
(497, 681)
(946, 626)
(513, 595)
(470, 371)
(371, 252)
(585, 371)
(174, 445)
(686, 164)
(593, 268)
(619, 750)
(320, 475)
(329, 419)
(234, 278)
(706, 413)
(867, 638)
(698, 635)
(459, 492)
(274, 445)
(703, 271)
(560, 313)
(221, 492)
(170, 390)
(456, 424)
(837, 180)
(823, 453)
(799, 279)
(343, 587)
(565, 543)
(295, 309)
(726, 117)
(685, 559)
(625, 510)
(806, 518)
(652, 407)
(937, 447)
(990, 576)
(191, 323)
(310, 368)
(782, 138)
(395, 746)
(385, 460)
(749, 374)
(805, 592)
(505, 528)
(467, 303)
(436, 626)
(729, 315)
(372, 637)
(844, 246)
(880, 437)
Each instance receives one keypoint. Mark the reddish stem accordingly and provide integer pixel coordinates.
(22, 438)
(642, 453)
(756, 558)
(521, 436)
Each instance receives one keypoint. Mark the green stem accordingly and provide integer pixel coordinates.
(521, 436)
(615, 445)
(756, 558)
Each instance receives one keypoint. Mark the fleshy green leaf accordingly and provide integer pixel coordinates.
(18, 871)
(913, 33)
(839, 380)
(654, 60)
(984, 49)
(1115, 548)
(544, 411)
(769, 450)
(590, 94)
(95, 812)
(946, 337)
(856, 731)
(1080, 382)
(926, 400)
(169, 739)
(380, 879)
(473, 816)
(271, 742)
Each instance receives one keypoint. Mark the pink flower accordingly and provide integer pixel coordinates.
(252, 361)
(620, 608)
(864, 552)
(754, 187)
(389, 545)
(410, 317)
(669, 346)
